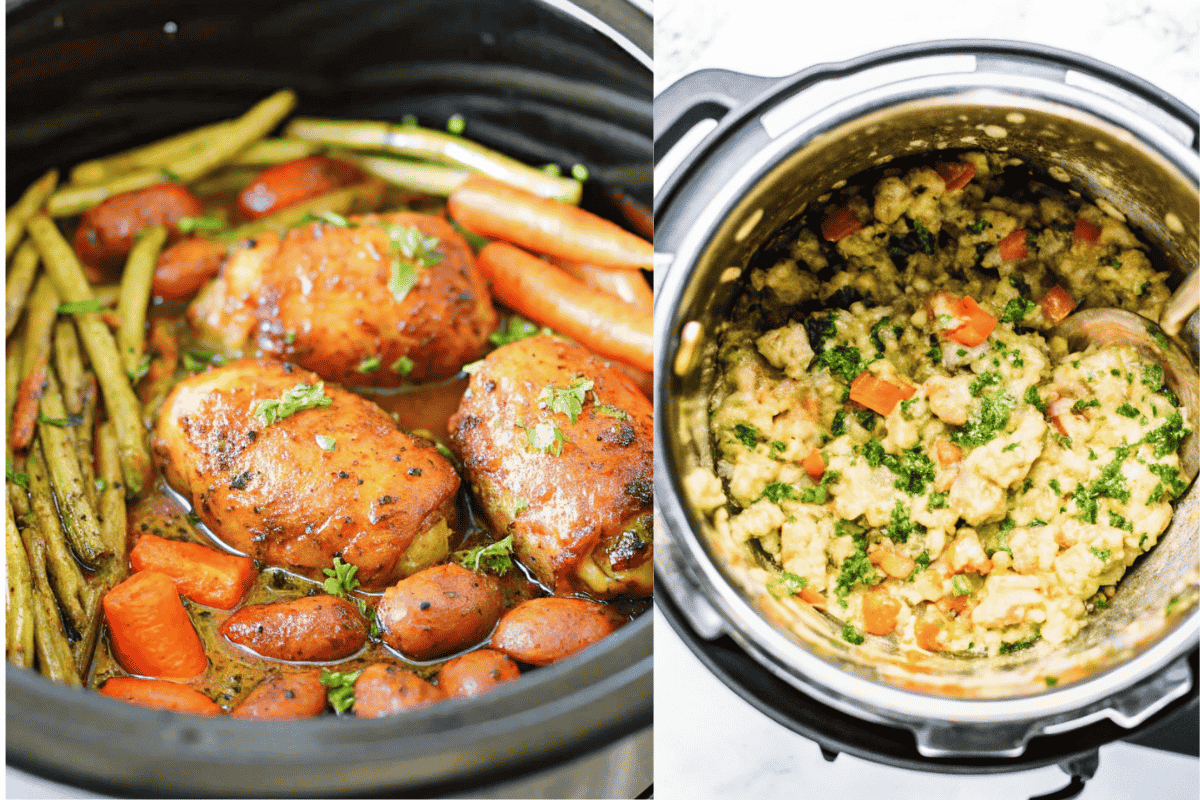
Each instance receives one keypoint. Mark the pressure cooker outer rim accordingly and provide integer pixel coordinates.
(558, 713)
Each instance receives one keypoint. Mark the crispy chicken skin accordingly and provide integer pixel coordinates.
(382, 500)
(320, 298)
(581, 519)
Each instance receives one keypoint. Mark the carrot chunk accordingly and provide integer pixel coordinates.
(549, 296)
(814, 464)
(926, 633)
(1012, 247)
(491, 208)
(877, 394)
(947, 452)
(839, 223)
(881, 612)
(25, 410)
(151, 632)
(812, 597)
(201, 573)
(1086, 232)
(977, 324)
(160, 694)
(956, 174)
(1056, 304)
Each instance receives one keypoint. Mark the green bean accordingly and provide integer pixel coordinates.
(19, 618)
(18, 498)
(155, 154)
(107, 295)
(41, 315)
(58, 446)
(50, 635)
(69, 364)
(414, 175)
(268, 152)
(65, 574)
(120, 401)
(83, 440)
(135, 294)
(30, 203)
(217, 150)
(112, 498)
(429, 145)
(16, 287)
(339, 201)
(12, 380)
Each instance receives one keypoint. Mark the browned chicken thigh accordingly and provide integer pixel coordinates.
(383, 299)
(333, 479)
(558, 448)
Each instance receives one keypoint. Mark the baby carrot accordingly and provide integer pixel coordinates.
(201, 573)
(490, 208)
(160, 694)
(25, 411)
(549, 296)
(623, 284)
(150, 631)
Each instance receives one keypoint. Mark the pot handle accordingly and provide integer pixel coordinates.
(707, 94)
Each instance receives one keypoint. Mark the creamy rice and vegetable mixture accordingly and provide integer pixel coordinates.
(904, 439)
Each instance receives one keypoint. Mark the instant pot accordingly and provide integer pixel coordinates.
(542, 80)
(781, 143)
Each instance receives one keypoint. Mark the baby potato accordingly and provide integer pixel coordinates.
(385, 689)
(320, 628)
(548, 629)
(476, 672)
(439, 610)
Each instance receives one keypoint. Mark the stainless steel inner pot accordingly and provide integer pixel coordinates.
(780, 145)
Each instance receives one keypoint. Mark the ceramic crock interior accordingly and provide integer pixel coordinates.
(1077, 153)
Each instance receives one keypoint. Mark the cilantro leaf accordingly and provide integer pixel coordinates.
(569, 400)
(368, 365)
(299, 398)
(495, 557)
(341, 689)
(340, 581)
(518, 328)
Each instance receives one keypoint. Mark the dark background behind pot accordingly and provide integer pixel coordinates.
(90, 78)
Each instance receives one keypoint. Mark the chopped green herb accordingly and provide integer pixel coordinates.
(1152, 376)
(1010, 447)
(778, 492)
(19, 478)
(495, 557)
(1127, 410)
(326, 443)
(299, 398)
(1022, 644)
(1169, 486)
(901, 527)
(925, 238)
(855, 569)
(1102, 602)
(546, 436)
(985, 380)
(402, 366)
(341, 689)
(72, 420)
(139, 371)
(1117, 521)
(518, 328)
(1016, 309)
(746, 434)
(368, 365)
(1080, 405)
(788, 583)
(849, 633)
(568, 400)
(1051, 681)
(1157, 335)
(519, 505)
(939, 499)
(844, 361)
(617, 413)
(986, 423)
(977, 227)
(960, 586)
(1167, 438)
(816, 495)
(340, 580)
(1056, 487)
(906, 407)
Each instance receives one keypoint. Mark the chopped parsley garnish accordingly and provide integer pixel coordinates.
(340, 580)
(341, 689)
(1034, 399)
(368, 365)
(618, 413)
(913, 469)
(788, 583)
(977, 227)
(986, 423)
(495, 557)
(1152, 376)
(838, 426)
(1117, 521)
(1016, 309)
(876, 329)
(1167, 438)
(518, 328)
(985, 380)
(820, 329)
(842, 360)
(197, 358)
(1156, 334)
(402, 366)
(1104, 555)
(746, 434)
(960, 586)
(19, 478)
(855, 569)
(1022, 644)
(778, 492)
(1080, 405)
(1169, 486)
(569, 400)
(140, 369)
(79, 307)
(1111, 483)
(299, 398)
(1051, 681)
(938, 499)
(906, 407)
(1010, 447)
(1056, 487)
(418, 253)
(326, 443)
(849, 633)
(1103, 602)
(814, 494)
(925, 238)
(1127, 410)
(901, 527)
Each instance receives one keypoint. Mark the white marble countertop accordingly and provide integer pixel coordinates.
(709, 743)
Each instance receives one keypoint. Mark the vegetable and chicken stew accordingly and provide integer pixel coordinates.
(906, 444)
(273, 450)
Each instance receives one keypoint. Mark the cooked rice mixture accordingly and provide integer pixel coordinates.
(903, 438)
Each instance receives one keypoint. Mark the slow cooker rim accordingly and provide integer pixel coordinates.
(691, 245)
